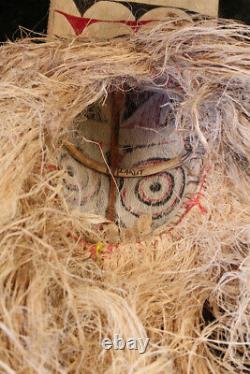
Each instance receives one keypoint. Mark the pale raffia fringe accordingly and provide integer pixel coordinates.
(56, 304)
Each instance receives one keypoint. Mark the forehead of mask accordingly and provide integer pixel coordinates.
(147, 136)
(107, 19)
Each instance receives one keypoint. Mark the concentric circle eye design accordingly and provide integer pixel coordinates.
(83, 187)
(158, 195)
(147, 138)
(155, 191)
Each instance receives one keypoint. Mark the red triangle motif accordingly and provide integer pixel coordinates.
(78, 23)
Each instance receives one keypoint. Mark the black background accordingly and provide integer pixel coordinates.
(33, 15)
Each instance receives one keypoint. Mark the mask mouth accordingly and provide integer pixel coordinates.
(125, 158)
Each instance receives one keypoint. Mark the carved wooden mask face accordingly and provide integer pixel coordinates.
(155, 171)
(155, 168)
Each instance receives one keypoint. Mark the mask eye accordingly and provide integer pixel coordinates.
(155, 168)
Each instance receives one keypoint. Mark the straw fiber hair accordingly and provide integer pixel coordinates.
(188, 288)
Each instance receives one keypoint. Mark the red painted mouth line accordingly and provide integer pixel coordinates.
(81, 23)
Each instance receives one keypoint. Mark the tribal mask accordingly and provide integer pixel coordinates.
(156, 169)
(125, 157)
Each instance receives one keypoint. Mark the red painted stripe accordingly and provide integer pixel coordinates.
(78, 23)
(81, 23)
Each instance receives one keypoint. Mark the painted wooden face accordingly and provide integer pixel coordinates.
(147, 139)
(147, 136)
(107, 19)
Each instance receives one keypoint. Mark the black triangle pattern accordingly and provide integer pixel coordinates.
(137, 9)
(83, 5)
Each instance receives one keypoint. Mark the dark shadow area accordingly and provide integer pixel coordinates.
(239, 10)
(30, 14)
(33, 15)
